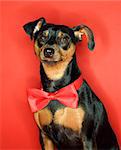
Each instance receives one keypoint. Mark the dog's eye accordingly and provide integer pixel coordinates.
(63, 41)
(43, 37)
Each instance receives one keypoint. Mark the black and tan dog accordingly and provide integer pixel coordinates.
(85, 127)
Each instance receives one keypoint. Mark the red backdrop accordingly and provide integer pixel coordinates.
(20, 67)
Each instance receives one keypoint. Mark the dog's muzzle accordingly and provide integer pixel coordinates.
(49, 52)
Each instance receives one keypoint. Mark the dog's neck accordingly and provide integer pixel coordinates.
(72, 72)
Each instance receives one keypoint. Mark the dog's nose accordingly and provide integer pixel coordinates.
(48, 52)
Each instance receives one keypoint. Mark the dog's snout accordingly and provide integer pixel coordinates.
(49, 52)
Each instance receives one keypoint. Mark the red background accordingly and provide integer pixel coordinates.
(20, 67)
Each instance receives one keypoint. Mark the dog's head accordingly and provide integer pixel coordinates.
(55, 44)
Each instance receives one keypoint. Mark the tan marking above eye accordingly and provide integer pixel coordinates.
(43, 117)
(70, 118)
(46, 33)
(59, 34)
(62, 34)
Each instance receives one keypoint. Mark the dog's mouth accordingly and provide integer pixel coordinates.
(50, 62)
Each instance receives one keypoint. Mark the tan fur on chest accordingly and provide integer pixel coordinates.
(43, 117)
(67, 117)
(70, 118)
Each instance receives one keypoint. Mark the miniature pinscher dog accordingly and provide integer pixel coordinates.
(85, 127)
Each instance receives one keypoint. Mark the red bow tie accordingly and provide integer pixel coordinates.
(38, 99)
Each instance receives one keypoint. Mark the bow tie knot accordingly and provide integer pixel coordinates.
(51, 96)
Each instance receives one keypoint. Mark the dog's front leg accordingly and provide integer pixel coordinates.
(42, 118)
(47, 144)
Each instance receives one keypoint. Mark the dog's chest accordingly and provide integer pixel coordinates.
(63, 116)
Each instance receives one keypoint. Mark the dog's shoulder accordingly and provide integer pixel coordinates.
(90, 101)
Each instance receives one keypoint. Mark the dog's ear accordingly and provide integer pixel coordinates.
(80, 30)
(33, 27)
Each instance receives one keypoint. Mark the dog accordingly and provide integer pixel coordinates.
(68, 113)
